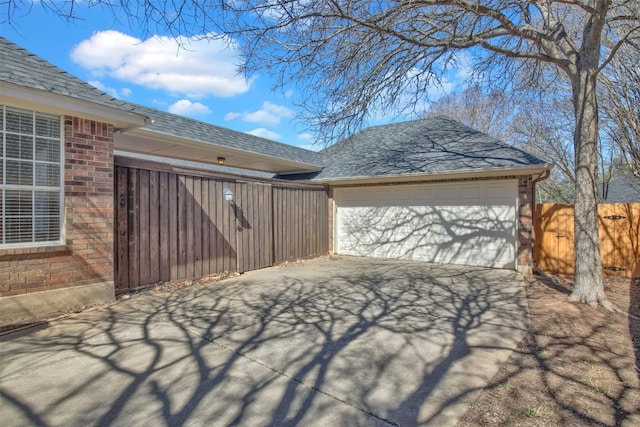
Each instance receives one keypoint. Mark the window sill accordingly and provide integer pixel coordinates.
(30, 250)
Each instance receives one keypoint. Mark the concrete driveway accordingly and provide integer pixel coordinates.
(328, 342)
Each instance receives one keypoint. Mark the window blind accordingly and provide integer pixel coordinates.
(30, 177)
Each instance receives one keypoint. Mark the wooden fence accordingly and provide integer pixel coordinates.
(619, 228)
(174, 224)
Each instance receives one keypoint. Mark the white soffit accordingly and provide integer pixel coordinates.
(159, 144)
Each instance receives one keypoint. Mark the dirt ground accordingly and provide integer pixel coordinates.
(577, 367)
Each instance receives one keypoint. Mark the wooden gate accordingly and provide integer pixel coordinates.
(175, 224)
(619, 227)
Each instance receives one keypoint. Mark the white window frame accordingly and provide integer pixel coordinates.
(33, 188)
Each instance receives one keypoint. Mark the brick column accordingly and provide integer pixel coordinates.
(525, 224)
(89, 199)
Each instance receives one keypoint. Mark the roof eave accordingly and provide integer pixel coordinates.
(53, 103)
(176, 146)
(437, 176)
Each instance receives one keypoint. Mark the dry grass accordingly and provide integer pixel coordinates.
(577, 367)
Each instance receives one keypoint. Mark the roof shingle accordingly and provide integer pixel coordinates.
(184, 127)
(21, 67)
(430, 145)
(621, 189)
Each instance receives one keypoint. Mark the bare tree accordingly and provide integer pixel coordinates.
(620, 105)
(489, 111)
(355, 58)
(539, 122)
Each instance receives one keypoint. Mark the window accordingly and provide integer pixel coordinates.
(30, 178)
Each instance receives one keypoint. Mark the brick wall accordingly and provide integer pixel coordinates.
(526, 208)
(87, 255)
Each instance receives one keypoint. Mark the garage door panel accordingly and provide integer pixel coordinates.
(441, 224)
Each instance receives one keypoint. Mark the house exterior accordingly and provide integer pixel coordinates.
(433, 190)
(430, 189)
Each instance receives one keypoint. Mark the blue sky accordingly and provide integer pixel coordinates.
(200, 81)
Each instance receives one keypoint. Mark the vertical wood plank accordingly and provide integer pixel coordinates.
(133, 229)
(250, 204)
(190, 228)
(154, 228)
(182, 227)
(255, 237)
(143, 187)
(268, 231)
(221, 238)
(197, 227)
(230, 248)
(307, 224)
(122, 229)
(277, 225)
(291, 214)
(174, 247)
(242, 233)
(206, 221)
(164, 208)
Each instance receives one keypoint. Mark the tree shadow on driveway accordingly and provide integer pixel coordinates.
(340, 342)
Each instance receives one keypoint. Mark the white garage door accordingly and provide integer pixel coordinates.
(470, 223)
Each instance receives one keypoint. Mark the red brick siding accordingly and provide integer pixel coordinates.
(526, 210)
(87, 256)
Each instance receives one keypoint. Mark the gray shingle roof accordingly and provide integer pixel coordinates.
(23, 68)
(622, 189)
(183, 127)
(430, 145)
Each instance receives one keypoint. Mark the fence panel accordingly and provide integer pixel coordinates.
(162, 219)
(175, 225)
(300, 223)
(619, 227)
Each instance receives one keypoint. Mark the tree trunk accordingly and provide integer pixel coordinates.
(588, 284)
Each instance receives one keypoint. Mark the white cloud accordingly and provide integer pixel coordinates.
(232, 116)
(305, 136)
(186, 107)
(99, 85)
(265, 133)
(125, 91)
(269, 114)
(202, 67)
(311, 147)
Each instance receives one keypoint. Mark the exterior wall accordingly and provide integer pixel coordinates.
(526, 209)
(526, 203)
(86, 258)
